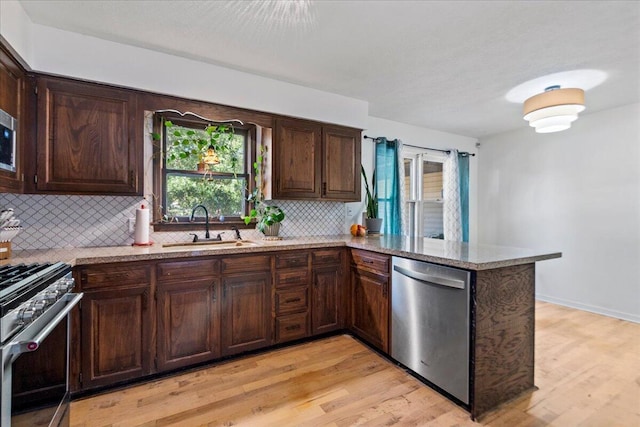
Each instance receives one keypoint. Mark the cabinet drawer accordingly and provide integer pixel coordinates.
(292, 300)
(288, 278)
(289, 260)
(329, 256)
(188, 269)
(246, 263)
(292, 327)
(113, 275)
(370, 260)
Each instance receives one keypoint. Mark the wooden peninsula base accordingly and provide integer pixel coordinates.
(502, 336)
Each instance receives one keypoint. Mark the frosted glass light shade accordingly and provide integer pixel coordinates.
(554, 110)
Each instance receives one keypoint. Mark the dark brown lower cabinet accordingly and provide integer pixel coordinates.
(291, 326)
(328, 297)
(116, 335)
(370, 307)
(327, 285)
(188, 323)
(246, 313)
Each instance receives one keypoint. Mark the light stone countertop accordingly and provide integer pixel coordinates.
(455, 254)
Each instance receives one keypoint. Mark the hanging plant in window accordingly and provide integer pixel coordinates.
(205, 146)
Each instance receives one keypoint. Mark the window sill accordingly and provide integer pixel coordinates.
(199, 225)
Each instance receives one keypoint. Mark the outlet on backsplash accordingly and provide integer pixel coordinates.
(132, 224)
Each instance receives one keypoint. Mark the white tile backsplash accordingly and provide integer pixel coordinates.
(52, 221)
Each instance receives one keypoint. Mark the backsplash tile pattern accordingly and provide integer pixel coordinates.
(52, 221)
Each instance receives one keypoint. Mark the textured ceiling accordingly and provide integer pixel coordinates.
(442, 65)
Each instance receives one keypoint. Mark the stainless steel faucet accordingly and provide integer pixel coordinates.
(206, 219)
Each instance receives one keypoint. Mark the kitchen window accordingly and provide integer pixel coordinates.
(423, 193)
(184, 184)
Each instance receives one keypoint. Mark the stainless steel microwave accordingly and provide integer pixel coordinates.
(8, 126)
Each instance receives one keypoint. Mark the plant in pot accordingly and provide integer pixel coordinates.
(268, 217)
(372, 221)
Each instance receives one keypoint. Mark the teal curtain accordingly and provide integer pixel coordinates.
(463, 172)
(388, 185)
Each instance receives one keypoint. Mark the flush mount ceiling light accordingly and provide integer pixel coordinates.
(554, 109)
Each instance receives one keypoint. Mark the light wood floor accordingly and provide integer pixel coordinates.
(587, 371)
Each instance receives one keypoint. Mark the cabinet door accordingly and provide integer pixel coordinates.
(116, 339)
(341, 163)
(297, 160)
(13, 100)
(370, 307)
(188, 323)
(87, 139)
(246, 312)
(326, 312)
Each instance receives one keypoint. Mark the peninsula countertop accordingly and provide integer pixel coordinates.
(455, 254)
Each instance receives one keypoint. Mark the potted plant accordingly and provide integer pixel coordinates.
(268, 217)
(372, 221)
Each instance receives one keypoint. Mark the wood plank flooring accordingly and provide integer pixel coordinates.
(587, 371)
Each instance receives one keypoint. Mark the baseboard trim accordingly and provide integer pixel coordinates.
(593, 309)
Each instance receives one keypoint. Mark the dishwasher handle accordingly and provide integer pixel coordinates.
(431, 279)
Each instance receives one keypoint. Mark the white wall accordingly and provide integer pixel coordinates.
(578, 192)
(15, 27)
(422, 137)
(54, 51)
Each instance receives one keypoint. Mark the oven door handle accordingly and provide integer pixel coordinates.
(24, 346)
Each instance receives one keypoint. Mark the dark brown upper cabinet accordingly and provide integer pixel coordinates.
(341, 163)
(87, 140)
(297, 160)
(315, 162)
(13, 102)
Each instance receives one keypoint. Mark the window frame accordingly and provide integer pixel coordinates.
(161, 172)
(415, 205)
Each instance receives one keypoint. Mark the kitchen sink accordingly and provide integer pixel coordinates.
(214, 244)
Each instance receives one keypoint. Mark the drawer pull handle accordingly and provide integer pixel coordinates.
(290, 300)
(292, 327)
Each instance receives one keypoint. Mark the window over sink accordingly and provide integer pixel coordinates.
(184, 180)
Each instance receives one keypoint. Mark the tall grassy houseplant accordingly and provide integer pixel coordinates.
(371, 196)
(373, 222)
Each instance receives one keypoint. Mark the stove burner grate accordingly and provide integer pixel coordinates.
(11, 274)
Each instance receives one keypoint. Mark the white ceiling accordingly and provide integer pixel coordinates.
(444, 65)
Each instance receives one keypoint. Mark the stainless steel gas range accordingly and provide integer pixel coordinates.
(35, 302)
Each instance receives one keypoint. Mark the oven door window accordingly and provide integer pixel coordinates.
(40, 380)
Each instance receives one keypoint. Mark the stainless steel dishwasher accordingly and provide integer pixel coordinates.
(430, 323)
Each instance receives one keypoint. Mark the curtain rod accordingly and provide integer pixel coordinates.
(464, 153)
